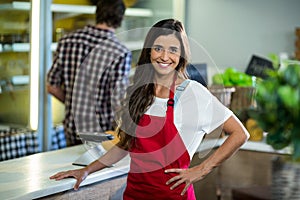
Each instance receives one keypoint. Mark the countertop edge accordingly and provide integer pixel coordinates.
(258, 146)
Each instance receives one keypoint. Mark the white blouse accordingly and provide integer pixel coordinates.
(197, 112)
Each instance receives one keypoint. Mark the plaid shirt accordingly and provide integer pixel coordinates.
(92, 67)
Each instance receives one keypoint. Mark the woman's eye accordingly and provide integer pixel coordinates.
(173, 50)
(158, 48)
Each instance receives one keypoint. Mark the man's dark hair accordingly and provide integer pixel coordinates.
(110, 12)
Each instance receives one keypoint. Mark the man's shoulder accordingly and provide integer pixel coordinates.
(87, 30)
(122, 47)
(115, 45)
(75, 34)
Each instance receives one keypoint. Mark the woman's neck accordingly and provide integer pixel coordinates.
(164, 80)
(163, 84)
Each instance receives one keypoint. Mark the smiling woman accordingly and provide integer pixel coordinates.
(161, 142)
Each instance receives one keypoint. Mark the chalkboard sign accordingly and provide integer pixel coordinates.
(257, 66)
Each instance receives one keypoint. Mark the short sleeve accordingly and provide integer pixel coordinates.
(198, 111)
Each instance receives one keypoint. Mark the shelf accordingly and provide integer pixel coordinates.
(136, 12)
(18, 88)
(16, 47)
(25, 6)
(132, 45)
(25, 47)
(79, 9)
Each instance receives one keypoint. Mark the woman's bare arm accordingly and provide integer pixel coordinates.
(112, 156)
(238, 135)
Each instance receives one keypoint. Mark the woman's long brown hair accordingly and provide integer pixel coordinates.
(140, 95)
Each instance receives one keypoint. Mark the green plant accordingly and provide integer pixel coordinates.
(278, 108)
(232, 77)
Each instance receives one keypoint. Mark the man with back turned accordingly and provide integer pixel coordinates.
(91, 57)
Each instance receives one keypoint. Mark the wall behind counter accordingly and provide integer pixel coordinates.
(232, 30)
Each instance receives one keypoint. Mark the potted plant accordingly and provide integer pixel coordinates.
(278, 113)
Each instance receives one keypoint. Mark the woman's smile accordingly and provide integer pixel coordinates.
(164, 65)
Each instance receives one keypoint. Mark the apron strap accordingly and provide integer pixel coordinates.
(180, 88)
(171, 94)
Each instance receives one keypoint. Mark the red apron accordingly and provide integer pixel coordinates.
(157, 147)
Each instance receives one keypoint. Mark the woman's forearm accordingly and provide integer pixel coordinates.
(226, 150)
(112, 156)
(238, 135)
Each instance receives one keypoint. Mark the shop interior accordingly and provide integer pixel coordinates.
(224, 35)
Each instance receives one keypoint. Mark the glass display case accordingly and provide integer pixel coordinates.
(18, 136)
(14, 64)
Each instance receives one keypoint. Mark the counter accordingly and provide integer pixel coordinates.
(28, 177)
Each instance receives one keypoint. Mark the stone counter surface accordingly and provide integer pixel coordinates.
(28, 177)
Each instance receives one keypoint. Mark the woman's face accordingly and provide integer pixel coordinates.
(165, 54)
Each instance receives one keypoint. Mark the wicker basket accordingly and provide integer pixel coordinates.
(223, 94)
(236, 98)
(242, 98)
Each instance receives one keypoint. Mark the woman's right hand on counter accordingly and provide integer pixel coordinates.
(78, 174)
(112, 156)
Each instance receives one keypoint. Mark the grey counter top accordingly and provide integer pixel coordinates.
(28, 177)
